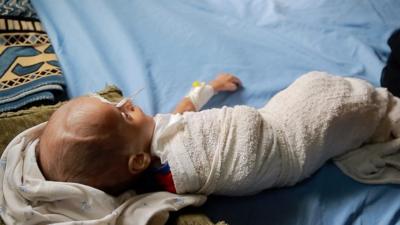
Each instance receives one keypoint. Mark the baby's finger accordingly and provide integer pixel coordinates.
(231, 87)
(236, 80)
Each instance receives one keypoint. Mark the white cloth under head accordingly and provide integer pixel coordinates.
(27, 198)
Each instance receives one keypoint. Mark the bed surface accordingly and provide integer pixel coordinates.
(165, 45)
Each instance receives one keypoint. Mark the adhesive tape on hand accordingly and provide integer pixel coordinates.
(200, 94)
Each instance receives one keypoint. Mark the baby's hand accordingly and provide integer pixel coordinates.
(225, 82)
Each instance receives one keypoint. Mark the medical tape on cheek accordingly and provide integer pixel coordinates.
(117, 105)
(122, 102)
(130, 97)
(100, 98)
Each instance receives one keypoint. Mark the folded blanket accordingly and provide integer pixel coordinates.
(22, 8)
(27, 198)
(29, 71)
(373, 164)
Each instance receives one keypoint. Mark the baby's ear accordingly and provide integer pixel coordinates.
(138, 162)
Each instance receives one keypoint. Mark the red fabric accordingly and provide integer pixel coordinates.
(166, 181)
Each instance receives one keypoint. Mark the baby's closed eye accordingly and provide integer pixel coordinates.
(126, 116)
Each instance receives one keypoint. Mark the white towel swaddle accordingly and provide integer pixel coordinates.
(241, 150)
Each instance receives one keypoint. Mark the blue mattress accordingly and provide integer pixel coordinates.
(165, 45)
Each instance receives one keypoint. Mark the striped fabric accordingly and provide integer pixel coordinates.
(29, 71)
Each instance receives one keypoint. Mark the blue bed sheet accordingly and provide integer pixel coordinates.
(165, 45)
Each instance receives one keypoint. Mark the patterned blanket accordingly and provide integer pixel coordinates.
(29, 70)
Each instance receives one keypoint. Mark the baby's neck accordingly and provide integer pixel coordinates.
(155, 161)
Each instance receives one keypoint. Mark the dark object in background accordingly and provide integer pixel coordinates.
(390, 77)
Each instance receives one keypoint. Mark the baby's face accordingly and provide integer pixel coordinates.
(132, 119)
(133, 126)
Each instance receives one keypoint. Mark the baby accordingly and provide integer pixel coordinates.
(231, 151)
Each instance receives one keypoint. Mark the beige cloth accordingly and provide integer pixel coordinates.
(27, 198)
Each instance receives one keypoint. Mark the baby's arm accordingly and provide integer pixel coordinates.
(223, 82)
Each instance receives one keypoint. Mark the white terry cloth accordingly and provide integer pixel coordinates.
(220, 151)
(27, 198)
(377, 163)
(373, 164)
(323, 116)
(238, 151)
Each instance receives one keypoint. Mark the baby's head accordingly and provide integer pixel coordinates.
(96, 143)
